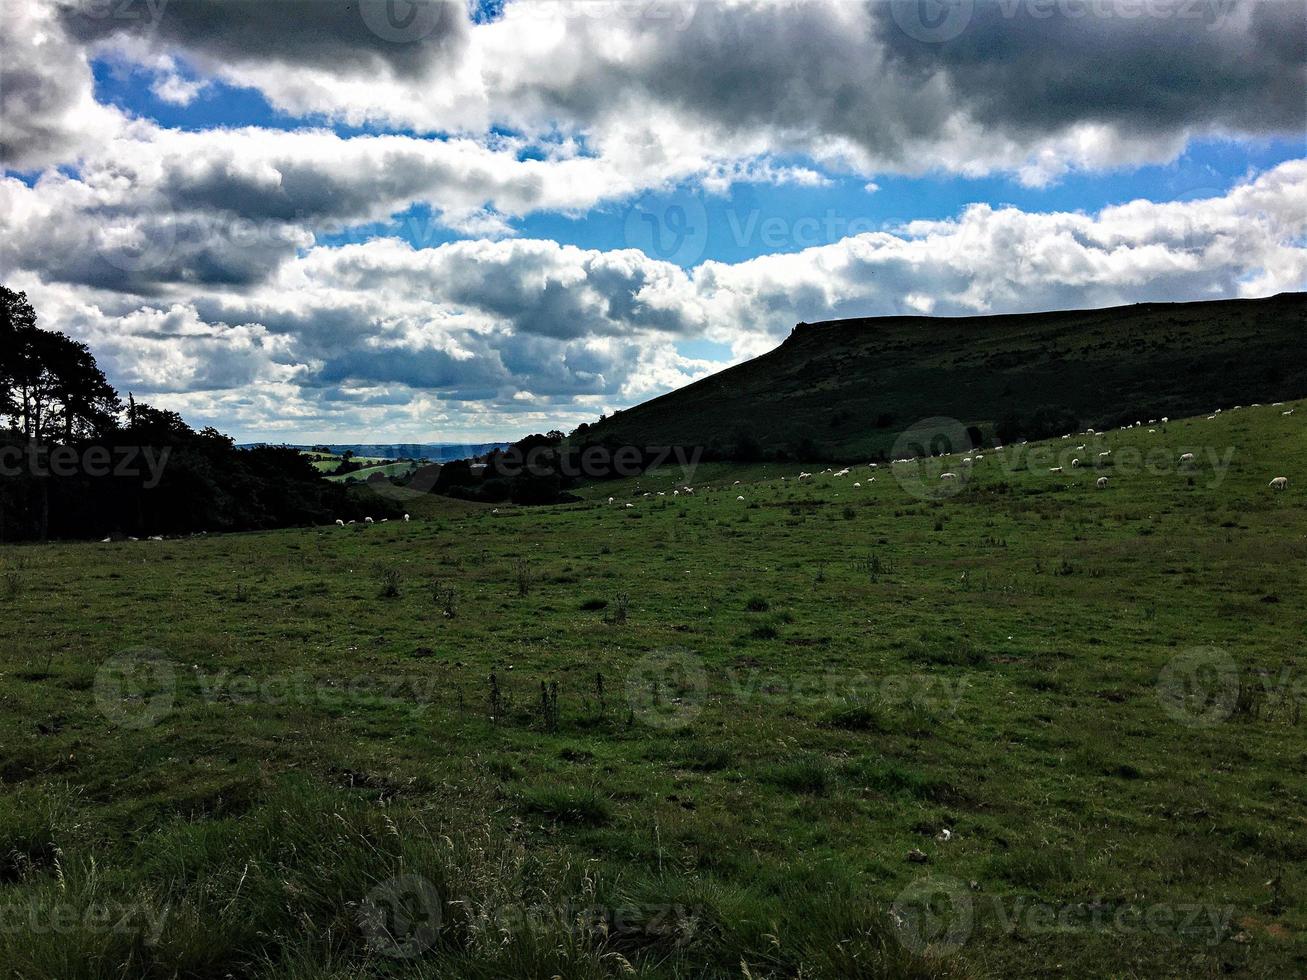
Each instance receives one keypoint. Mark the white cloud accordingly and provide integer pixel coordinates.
(449, 340)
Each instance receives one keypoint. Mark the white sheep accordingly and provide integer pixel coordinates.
(367, 520)
(629, 506)
(739, 498)
(155, 537)
(1105, 452)
(610, 500)
(1101, 483)
(857, 486)
(1289, 412)
(405, 518)
(339, 522)
(805, 476)
(1280, 483)
(1055, 469)
(948, 476)
(1186, 457)
(1075, 463)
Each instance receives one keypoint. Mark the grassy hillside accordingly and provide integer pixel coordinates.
(846, 389)
(1067, 719)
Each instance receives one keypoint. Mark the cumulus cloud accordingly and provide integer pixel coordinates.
(48, 110)
(246, 275)
(387, 335)
(1032, 87)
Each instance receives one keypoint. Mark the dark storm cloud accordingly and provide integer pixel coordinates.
(353, 35)
(1143, 64)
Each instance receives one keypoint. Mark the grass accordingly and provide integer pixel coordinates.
(300, 775)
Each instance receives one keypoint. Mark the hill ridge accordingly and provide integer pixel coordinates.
(846, 388)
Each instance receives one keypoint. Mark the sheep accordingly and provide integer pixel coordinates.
(385, 520)
(805, 476)
(1165, 420)
(857, 486)
(1075, 464)
(1280, 483)
(1055, 469)
(367, 520)
(405, 518)
(610, 500)
(155, 537)
(843, 472)
(1101, 483)
(349, 522)
(739, 498)
(1186, 457)
(948, 476)
(1289, 412)
(1105, 452)
(872, 466)
(105, 540)
(339, 522)
(629, 506)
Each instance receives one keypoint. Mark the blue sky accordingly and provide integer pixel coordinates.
(318, 221)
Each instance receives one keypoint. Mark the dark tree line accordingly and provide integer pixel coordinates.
(75, 462)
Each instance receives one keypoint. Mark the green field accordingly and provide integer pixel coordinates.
(1063, 720)
(389, 470)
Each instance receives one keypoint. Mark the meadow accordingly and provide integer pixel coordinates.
(1008, 725)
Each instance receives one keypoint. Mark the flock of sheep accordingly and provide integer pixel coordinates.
(1278, 483)
(368, 520)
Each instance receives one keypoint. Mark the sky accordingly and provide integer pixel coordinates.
(386, 220)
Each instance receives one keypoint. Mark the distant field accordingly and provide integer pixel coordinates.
(388, 470)
(326, 463)
(1066, 719)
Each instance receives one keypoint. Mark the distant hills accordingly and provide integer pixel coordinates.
(437, 452)
(848, 388)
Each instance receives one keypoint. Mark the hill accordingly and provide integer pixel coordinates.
(846, 389)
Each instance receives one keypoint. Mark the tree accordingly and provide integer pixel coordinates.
(17, 318)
